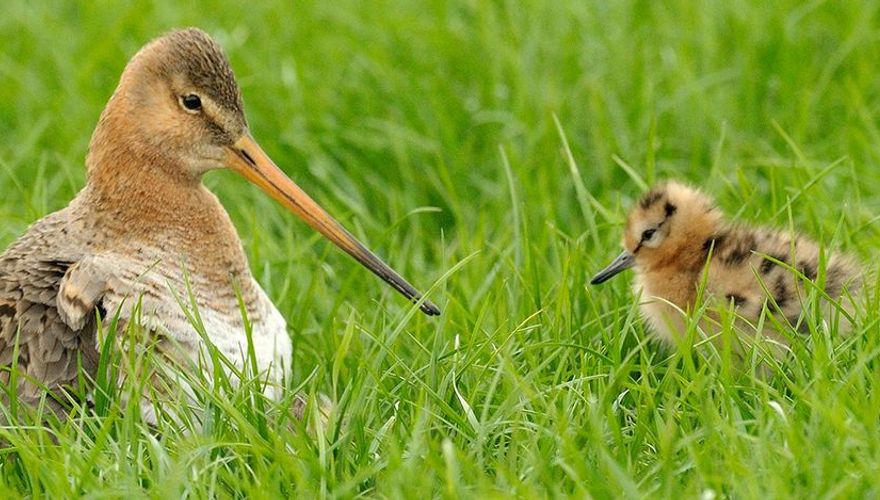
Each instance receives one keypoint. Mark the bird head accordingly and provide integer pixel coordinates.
(667, 227)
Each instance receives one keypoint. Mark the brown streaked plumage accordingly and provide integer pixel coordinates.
(675, 234)
(144, 224)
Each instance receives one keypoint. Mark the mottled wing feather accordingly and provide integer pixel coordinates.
(51, 334)
(745, 255)
(81, 288)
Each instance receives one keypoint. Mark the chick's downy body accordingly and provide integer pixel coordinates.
(675, 238)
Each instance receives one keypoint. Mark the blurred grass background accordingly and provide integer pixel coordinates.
(491, 149)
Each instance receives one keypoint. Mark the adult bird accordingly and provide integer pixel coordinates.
(145, 230)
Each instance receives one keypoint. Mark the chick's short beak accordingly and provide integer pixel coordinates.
(623, 262)
(247, 158)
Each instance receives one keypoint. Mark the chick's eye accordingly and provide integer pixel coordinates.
(648, 234)
(191, 102)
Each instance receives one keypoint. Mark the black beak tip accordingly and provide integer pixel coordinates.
(623, 262)
(430, 309)
(602, 277)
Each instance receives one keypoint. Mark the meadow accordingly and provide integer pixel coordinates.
(488, 150)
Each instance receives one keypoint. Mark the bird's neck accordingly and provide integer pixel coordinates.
(135, 180)
(144, 207)
(120, 157)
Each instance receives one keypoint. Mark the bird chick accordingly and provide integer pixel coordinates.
(683, 251)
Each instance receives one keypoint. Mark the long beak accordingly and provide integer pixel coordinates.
(623, 262)
(247, 158)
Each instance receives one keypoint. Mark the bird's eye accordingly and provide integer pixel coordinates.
(648, 234)
(191, 102)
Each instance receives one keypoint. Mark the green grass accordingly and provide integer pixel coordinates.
(488, 150)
